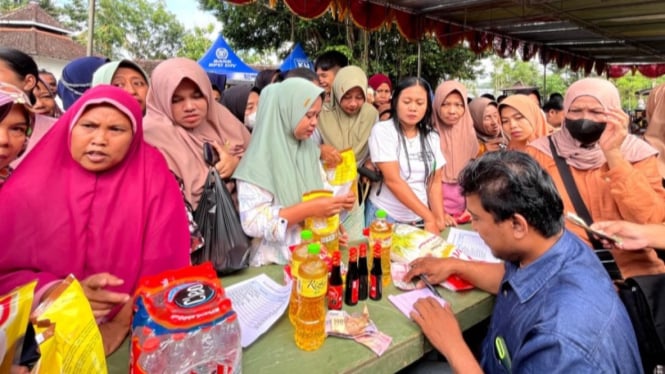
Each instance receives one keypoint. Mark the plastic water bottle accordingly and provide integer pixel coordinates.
(229, 349)
(152, 359)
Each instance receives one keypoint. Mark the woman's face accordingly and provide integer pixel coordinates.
(7, 75)
(411, 106)
(452, 109)
(188, 105)
(305, 128)
(491, 122)
(252, 103)
(45, 102)
(352, 101)
(13, 135)
(587, 107)
(382, 94)
(132, 82)
(515, 124)
(101, 138)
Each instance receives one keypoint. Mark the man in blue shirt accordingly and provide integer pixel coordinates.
(556, 309)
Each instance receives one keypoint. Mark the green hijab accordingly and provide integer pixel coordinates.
(341, 130)
(104, 74)
(275, 160)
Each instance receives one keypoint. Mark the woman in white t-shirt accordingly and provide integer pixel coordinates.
(407, 152)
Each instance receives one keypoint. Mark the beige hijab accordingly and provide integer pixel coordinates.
(477, 108)
(531, 112)
(341, 130)
(655, 133)
(458, 142)
(183, 148)
(633, 149)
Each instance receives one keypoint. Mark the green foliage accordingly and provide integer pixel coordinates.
(196, 43)
(629, 84)
(260, 28)
(47, 5)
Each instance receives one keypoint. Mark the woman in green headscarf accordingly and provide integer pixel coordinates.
(127, 75)
(279, 166)
(346, 124)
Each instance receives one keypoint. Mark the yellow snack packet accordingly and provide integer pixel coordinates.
(14, 317)
(325, 229)
(67, 333)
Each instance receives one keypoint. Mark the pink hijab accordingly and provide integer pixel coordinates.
(633, 149)
(655, 133)
(458, 142)
(531, 112)
(59, 218)
(183, 148)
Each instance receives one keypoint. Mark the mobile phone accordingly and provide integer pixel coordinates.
(576, 220)
(210, 155)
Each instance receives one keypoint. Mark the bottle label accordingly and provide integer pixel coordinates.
(312, 287)
(335, 297)
(354, 291)
(373, 288)
(294, 269)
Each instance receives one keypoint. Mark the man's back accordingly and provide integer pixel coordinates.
(561, 312)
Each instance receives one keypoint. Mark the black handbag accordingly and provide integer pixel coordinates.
(226, 244)
(643, 296)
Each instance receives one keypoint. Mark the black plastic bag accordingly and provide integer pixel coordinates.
(226, 244)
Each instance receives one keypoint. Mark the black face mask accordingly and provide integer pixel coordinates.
(584, 130)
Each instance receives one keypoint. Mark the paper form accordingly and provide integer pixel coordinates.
(259, 303)
(471, 244)
(404, 301)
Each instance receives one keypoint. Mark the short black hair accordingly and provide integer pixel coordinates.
(265, 77)
(305, 73)
(511, 182)
(488, 96)
(330, 60)
(21, 64)
(501, 98)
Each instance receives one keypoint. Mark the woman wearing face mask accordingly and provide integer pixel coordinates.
(243, 102)
(616, 173)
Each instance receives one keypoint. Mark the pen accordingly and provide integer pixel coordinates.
(502, 353)
(429, 285)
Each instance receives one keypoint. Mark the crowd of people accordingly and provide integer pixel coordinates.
(105, 187)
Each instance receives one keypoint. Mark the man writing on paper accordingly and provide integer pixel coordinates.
(556, 308)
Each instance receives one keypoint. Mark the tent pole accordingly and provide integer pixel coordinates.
(544, 81)
(91, 27)
(419, 59)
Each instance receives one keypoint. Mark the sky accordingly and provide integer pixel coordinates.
(189, 14)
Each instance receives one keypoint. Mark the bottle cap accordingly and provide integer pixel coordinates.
(377, 249)
(381, 214)
(366, 231)
(306, 235)
(363, 250)
(336, 258)
(353, 253)
(151, 344)
(314, 248)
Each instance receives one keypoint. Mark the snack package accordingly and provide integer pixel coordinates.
(325, 229)
(14, 317)
(410, 243)
(67, 333)
(184, 322)
(344, 176)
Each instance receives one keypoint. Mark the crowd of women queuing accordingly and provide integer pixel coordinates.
(105, 186)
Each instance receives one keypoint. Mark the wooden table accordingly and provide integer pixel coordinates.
(276, 352)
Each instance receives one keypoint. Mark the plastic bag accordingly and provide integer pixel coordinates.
(68, 336)
(14, 317)
(226, 244)
(184, 323)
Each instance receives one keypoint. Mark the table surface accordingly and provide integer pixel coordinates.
(275, 351)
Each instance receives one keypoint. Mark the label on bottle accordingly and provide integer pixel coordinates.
(335, 297)
(294, 269)
(354, 291)
(312, 287)
(374, 287)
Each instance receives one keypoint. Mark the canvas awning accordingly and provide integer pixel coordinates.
(616, 36)
(220, 59)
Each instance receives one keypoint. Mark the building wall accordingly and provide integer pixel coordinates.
(55, 66)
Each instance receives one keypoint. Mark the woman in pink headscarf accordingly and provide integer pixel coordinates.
(522, 121)
(616, 173)
(452, 119)
(95, 200)
(182, 115)
(16, 124)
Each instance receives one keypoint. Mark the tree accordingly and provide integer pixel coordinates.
(138, 29)
(196, 43)
(629, 84)
(259, 27)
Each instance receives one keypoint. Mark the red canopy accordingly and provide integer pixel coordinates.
(371, 16)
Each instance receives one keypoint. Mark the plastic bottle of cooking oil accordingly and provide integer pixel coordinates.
(312, 286)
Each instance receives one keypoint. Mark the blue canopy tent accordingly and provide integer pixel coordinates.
(220, 59)
(297, 59)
